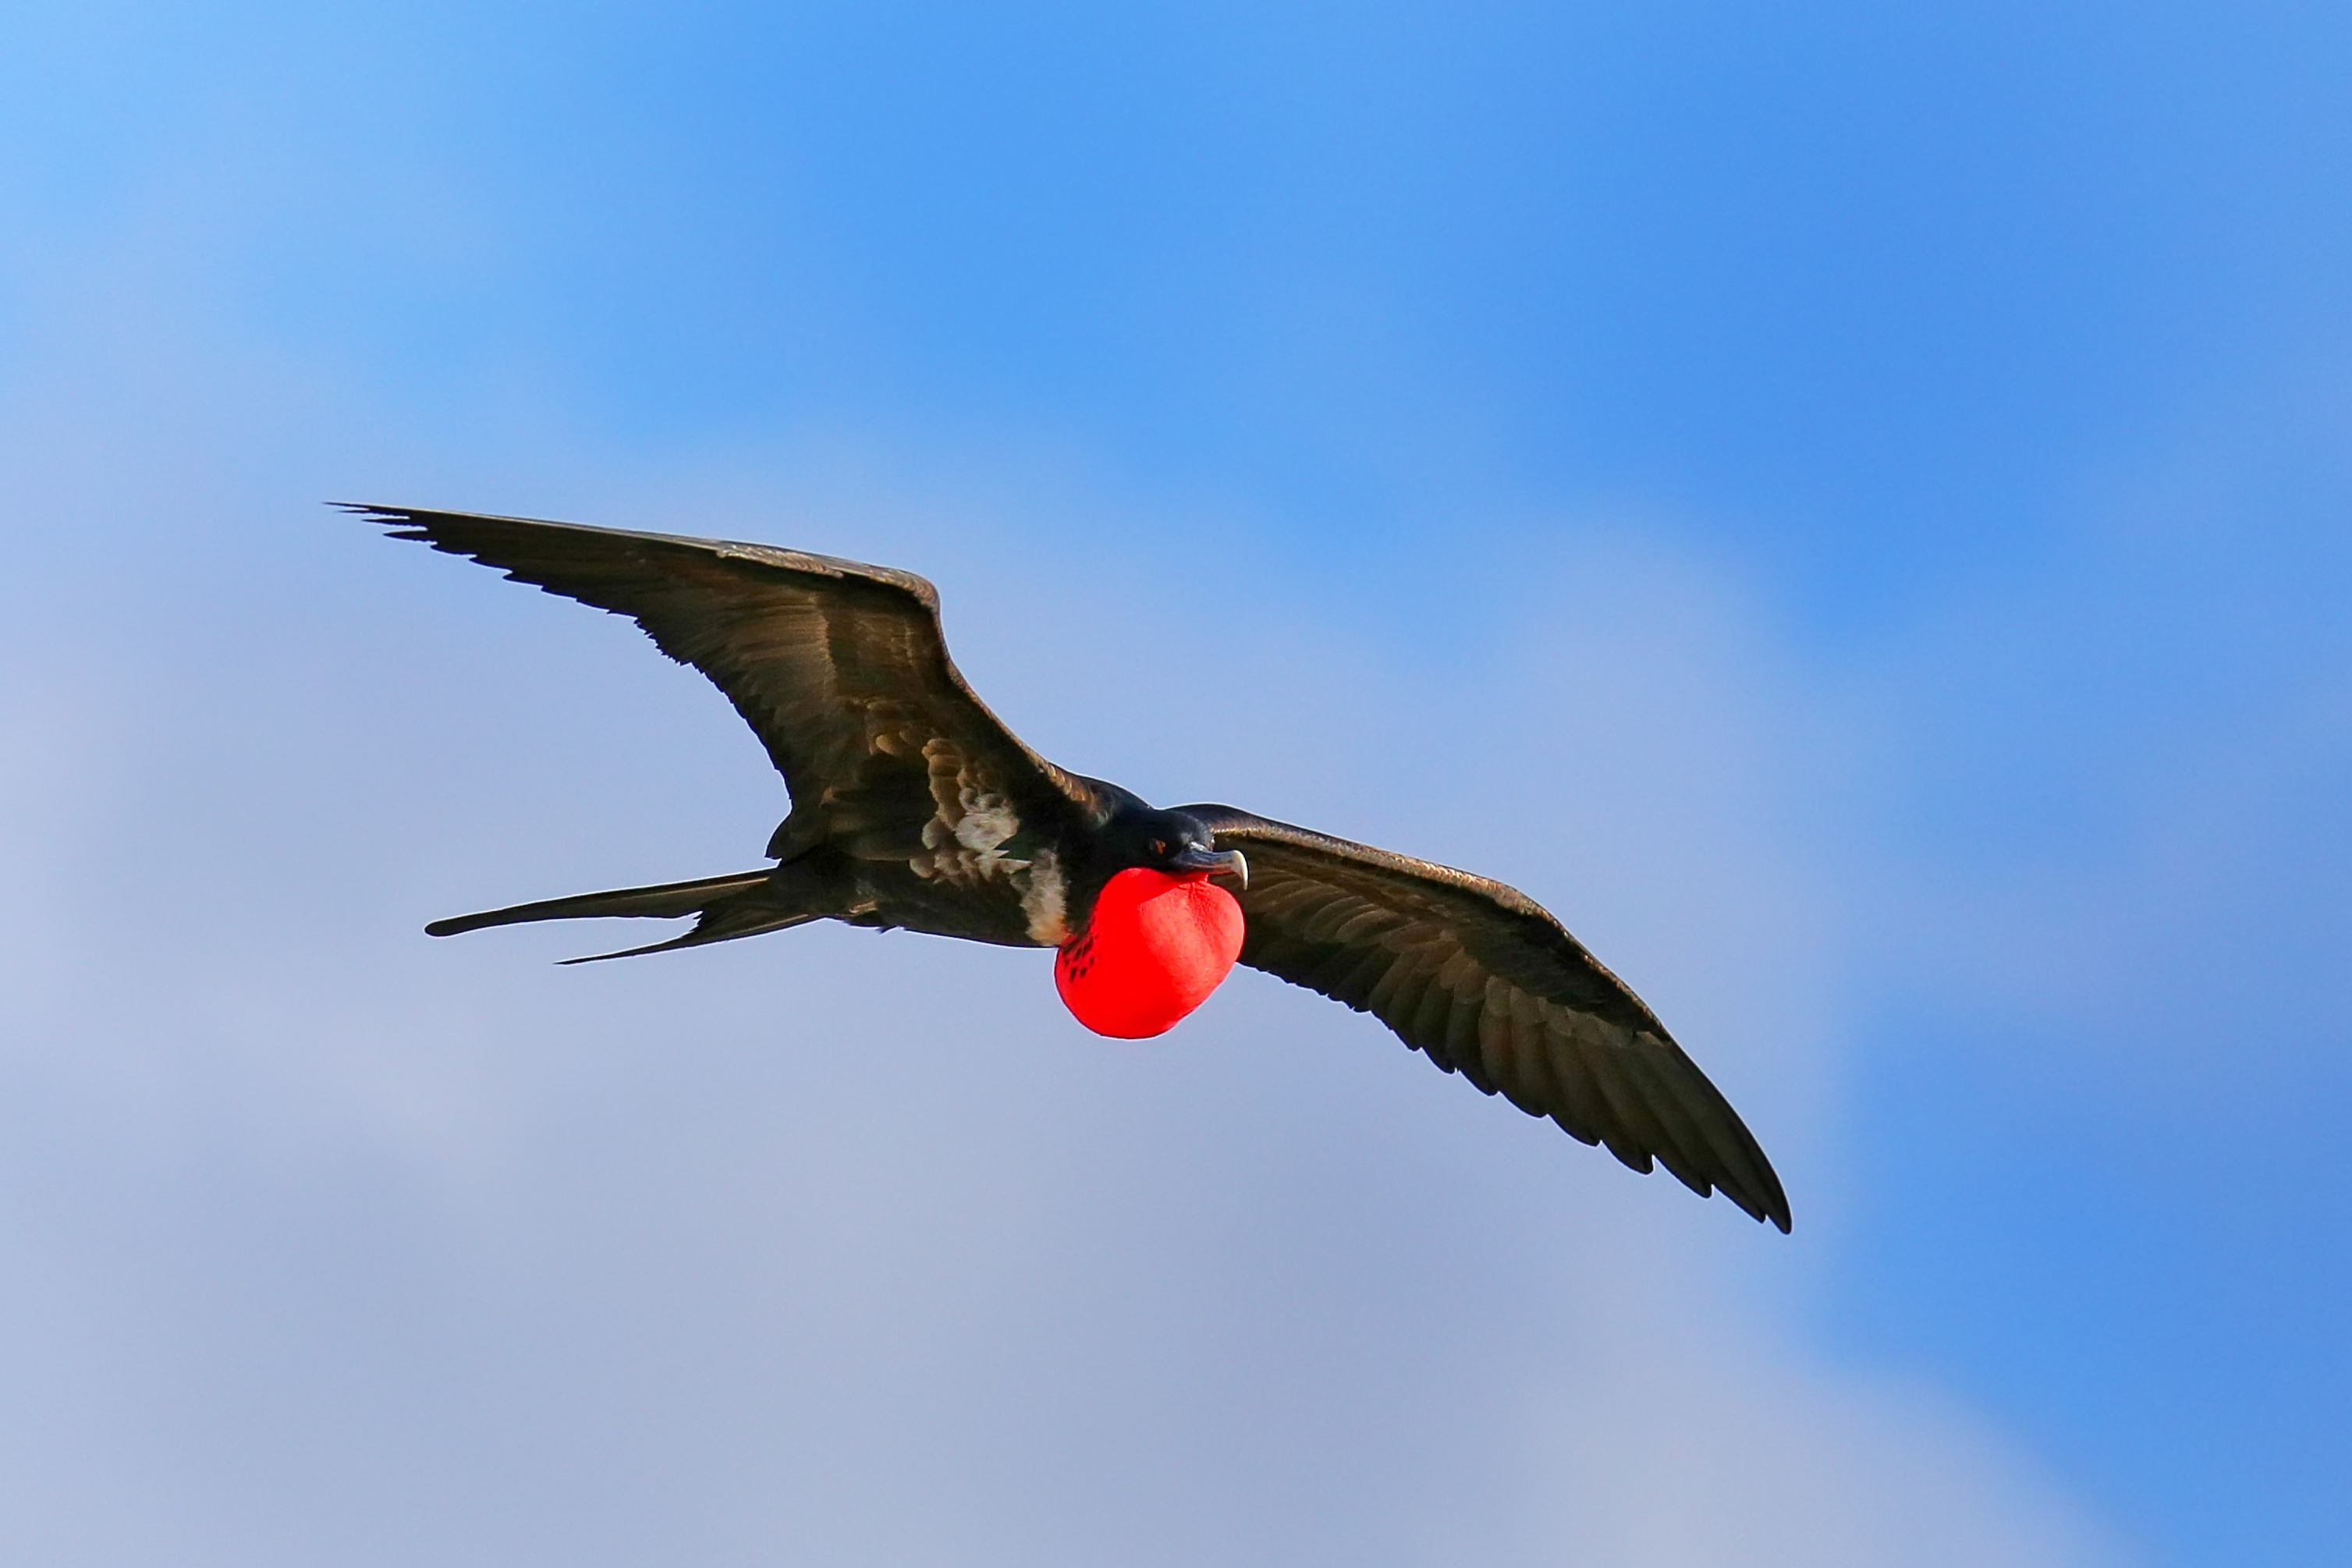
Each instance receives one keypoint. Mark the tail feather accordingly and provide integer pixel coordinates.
(724, 923)
(729, 907)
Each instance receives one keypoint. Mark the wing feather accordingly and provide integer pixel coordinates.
(1426, 1031)
(839, 669)
(1484, 982)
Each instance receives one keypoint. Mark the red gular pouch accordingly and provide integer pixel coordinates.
(1157, 945)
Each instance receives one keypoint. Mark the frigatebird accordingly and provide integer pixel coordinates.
(912, 806)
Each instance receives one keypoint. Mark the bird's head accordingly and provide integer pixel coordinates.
(1160, 936)
(1170, 842)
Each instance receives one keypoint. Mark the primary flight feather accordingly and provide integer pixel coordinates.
(913, 807)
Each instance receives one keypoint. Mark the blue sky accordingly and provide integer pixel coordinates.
(1846, 504)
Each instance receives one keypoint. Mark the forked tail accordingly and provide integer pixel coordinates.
(744, 904)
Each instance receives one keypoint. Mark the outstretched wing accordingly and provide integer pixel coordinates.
(839, 669)
(1482, 979)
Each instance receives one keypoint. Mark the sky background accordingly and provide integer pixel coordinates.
(1846, 504)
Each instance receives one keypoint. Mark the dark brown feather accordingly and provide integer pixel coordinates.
(840, 669)
(1486, 983)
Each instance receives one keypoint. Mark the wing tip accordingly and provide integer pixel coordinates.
(402, 521)
(1771, 1209)
(1760, 1192)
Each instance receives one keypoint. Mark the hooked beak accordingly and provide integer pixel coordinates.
(1227, 862)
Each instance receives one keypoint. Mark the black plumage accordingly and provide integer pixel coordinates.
(913, 807)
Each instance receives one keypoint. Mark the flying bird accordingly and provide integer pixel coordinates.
(914, 807)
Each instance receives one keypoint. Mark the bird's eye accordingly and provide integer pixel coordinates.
(1159, 846)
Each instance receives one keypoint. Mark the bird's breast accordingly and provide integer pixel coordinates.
(1154, 948)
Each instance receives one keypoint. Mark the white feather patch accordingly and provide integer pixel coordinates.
(963, 842)
(1046, 900)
